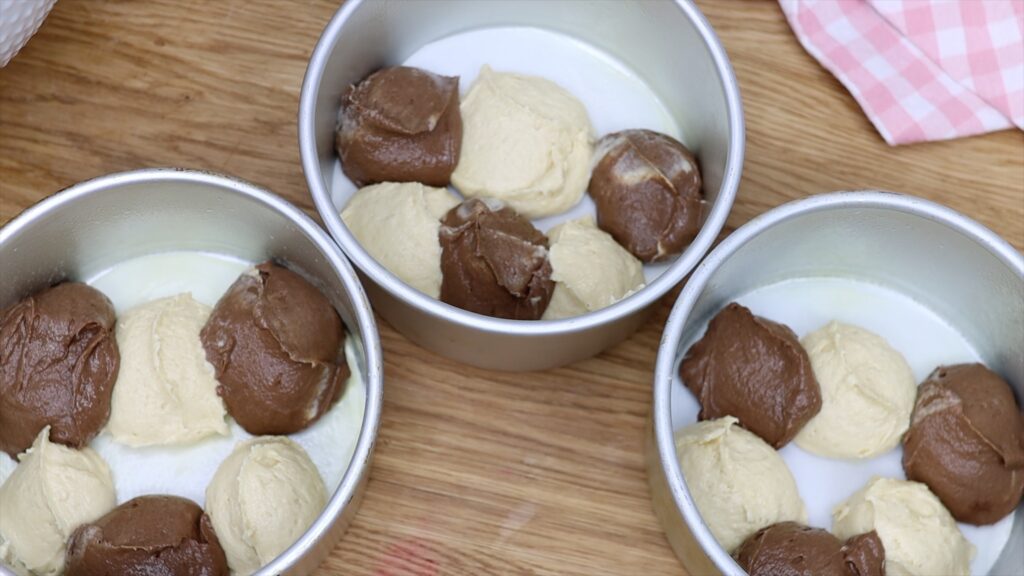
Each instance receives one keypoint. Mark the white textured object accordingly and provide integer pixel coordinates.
(19, 20)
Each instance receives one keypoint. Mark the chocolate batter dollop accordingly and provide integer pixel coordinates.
(494, 262)
(58, 364)
(647, 189)
(277, 346)
(401, 124)
(791, 549)
(755, 370)
(147, 536)
(865, 555)
(966, 442)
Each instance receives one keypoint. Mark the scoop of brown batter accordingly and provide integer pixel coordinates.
(494, 262)
(755, 370)
(865, 555)
(791, 549)
(58, 364)
(277, 346)
(966, 442)
(647, 189)
(401, 124)
(147, 536)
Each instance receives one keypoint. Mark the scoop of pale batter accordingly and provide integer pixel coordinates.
(262, 498)
(166, 392)
(739, 483)
(867, 393)
(53, 490)
(919, 535)
(526, 141)
(398, 225)
(590, 270)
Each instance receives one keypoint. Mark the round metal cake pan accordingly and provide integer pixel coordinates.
(669, 44)
(98, 223)
(952, 265)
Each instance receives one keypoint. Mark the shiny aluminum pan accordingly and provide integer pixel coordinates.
(98, 223)
(954, 266)
(669, 44)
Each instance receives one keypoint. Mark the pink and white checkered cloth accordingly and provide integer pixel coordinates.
(921, 69)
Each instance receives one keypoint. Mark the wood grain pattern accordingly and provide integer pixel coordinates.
(476, 472)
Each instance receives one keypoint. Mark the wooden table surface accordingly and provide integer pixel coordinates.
(476, 472)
